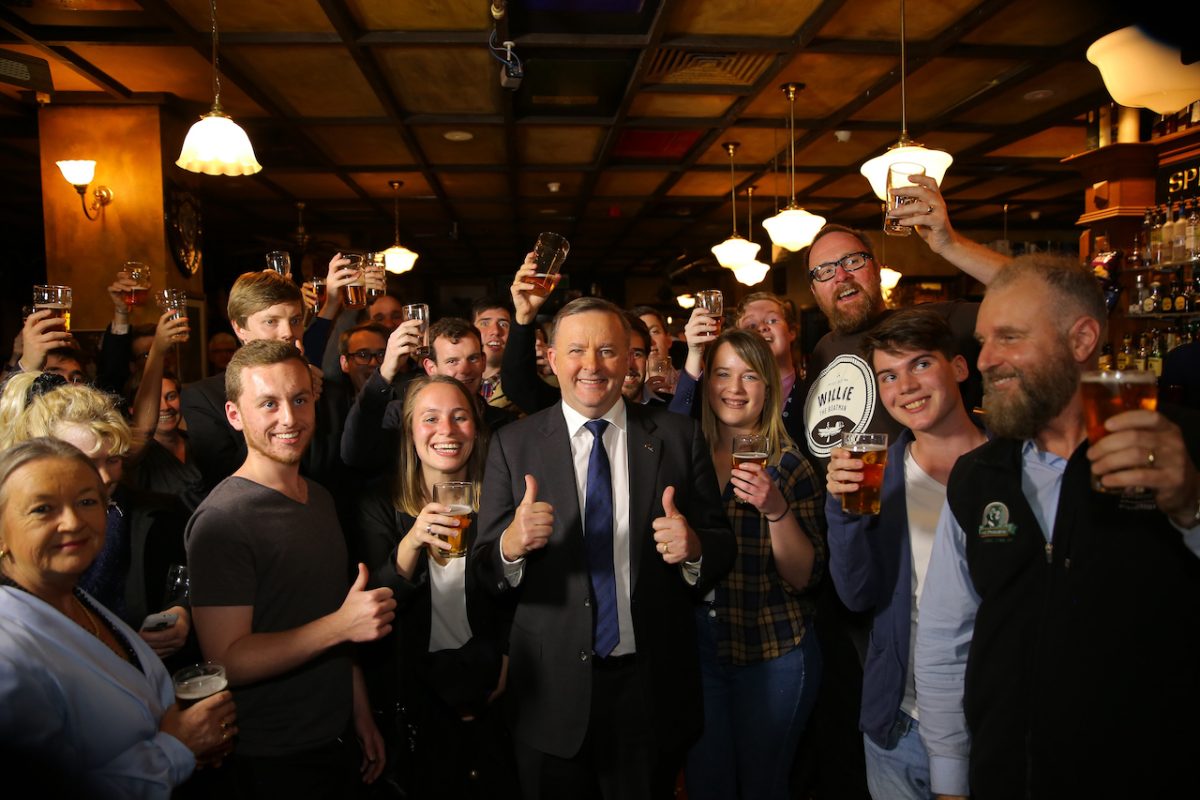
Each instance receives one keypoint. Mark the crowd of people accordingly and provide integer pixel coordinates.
(619, 608)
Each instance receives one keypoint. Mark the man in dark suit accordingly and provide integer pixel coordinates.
(606, 548)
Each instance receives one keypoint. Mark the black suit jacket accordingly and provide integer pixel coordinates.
(550, 644)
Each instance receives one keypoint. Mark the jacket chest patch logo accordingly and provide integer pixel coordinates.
(996, 527)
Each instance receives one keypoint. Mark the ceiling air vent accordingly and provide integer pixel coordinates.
(671, 65)
(28, 72)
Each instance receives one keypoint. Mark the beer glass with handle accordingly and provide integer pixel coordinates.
(871, 448)
(460, 497)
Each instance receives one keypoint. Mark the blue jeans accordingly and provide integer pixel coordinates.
(901, 773)
(753, 718)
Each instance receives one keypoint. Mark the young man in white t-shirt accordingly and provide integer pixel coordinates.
(878, 562)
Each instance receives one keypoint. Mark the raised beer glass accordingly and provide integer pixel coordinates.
(55, 299)
(460, 497)
(280, 261)
(871, 448)
(354, 295)
(897, 178)
(550, 251)
(1107, 393)
(139, 274)
(713, 303)
(418, 311)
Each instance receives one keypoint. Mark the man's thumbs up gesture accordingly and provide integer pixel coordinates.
(673, 536)
(531, 527)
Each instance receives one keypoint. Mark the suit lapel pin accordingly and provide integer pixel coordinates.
(649, 447)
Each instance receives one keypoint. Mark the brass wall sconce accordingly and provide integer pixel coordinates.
(79, 174)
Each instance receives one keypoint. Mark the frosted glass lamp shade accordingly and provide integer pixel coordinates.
(398, 260)
(793, 228)
(1142, 72)
(751, 273)
(77, 173)
(216, 145)
(935, 162)
(735, 251)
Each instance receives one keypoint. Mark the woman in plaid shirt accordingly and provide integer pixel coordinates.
(760, 665)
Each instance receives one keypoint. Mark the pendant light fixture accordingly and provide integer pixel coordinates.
(216, 145)
(735, 250)
(935, 162)
(751, 272)
(398, 259)
(792, 228)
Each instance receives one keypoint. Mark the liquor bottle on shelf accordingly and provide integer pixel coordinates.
(1153, 299)
(1125, 354)
(1166, 300)
(1180, 296)
(1170, 338)
(1191, 230)
(1142, 356)
(1133, 259)
(1173, 234)
(1195, 302)
(1137, 295)
(1147, 229)
(1106, 357)
(1156, 239)
(1154, 362)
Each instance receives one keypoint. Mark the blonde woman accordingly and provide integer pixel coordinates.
(759, 658)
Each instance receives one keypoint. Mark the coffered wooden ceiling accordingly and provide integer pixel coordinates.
(624, 105)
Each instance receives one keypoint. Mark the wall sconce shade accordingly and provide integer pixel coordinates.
(686, 301)
(1142, 72)
(79, 174)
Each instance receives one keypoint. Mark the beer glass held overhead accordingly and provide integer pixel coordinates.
(460, 497)
(139, 275)
(56, 300)
(418, 311)
(354, 295)
(898, 178)
(280, 261)
(376, 276)
(713, 304)
(871, 448)
(550, 251)
(1107, 393)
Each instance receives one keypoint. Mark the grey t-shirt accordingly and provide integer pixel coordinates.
(249, 545)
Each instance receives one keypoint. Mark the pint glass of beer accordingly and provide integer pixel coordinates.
(749, 448)
(376, 276)
(197, 682)
(418, 311)
(1107, 393)
(139, 274)
(872, 449)
(550, 251)
(280, 261)
(714, 304)
(354, 295)
(897, 178)
(460, 496)
(56, 300)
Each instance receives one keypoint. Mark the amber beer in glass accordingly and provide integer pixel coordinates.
(139, 273)
(749, 448)
(550, 251)
(354, 295)
(460, 497)
(871, 448)
(1110, 392)
(897, 178)
(56, 300)
(197, 682)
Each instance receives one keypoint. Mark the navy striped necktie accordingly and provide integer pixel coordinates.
(598, 538)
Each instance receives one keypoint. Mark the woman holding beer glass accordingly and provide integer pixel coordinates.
(80, 693)
(446, 660)
(759, 659)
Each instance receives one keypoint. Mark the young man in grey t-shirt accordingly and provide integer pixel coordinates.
(268, 568)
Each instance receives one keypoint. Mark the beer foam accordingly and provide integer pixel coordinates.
(200, 687)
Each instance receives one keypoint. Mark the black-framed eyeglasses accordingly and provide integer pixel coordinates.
(364, 357)
(851, 262)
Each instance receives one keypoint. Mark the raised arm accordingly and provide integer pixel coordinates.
(932, 221)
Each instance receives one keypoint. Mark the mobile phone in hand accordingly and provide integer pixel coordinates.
(159, 622)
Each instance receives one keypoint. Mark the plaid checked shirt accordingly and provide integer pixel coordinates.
(759, 616)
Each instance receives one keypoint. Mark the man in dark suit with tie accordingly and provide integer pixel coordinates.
(604, 518)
